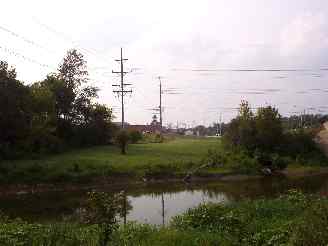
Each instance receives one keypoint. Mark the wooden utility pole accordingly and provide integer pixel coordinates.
(160, 102)
(221, 124)
(121, 92)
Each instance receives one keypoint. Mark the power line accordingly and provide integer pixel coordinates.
(121, 91)
(24, 57)
(247, 70)
(68, 39)
(29, 41)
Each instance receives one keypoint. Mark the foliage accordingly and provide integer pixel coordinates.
(262, 131)
(290, 219)
(18, 232)
(269, 129)
(102, 209)
(15, 113)
(51, 115)
(312, 227)
(73, 69)
(262, 137)
(122, 140)
(135, 136)
(238, 161)
(159, 138)
(259, 222)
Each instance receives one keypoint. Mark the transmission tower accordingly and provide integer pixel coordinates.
(121, 91)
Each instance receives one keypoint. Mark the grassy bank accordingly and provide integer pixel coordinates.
(174, 157)
(171, 159)
(292, 219)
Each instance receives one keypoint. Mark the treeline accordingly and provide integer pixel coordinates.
(52, 115)
(304, 121)
(262, 135)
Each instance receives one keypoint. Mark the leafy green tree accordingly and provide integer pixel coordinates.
(241, 131)
(269, 131)
(73, 69)
(98, 128)
(15, 112)
(58, 111)
(64, 96)
(122, 139)
(83, 105)
(42, 136)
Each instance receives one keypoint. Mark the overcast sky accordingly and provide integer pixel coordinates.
(206, 50)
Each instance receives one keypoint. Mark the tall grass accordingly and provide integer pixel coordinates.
(292, 219)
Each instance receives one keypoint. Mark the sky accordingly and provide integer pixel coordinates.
(211, 53)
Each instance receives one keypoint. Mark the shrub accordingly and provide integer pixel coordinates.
(242, 162)
(214, 158)
(278, 162)
(102, 209)
(135, 136)
(159, 138)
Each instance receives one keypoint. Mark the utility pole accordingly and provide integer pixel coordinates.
(220, 124)
(160, 102)
(121, 92)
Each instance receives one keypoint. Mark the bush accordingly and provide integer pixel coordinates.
(242, 162)
(300, 143)
(273, 161)
(214, 158)
(159, 138)
(135, 136)
(278, 162)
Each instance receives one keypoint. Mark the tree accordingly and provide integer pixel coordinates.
(73, 69)
(98, 128)
(7, 72)
(269, 131)
(42, 137)
(241, 131)
(15, 111)
(58, 111)
(122, 139)
(200, 130)
(83, 104)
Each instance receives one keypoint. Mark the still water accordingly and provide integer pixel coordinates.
(157, 203)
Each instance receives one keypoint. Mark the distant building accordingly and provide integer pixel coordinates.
(154, 127)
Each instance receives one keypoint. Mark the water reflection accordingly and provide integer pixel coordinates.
(158, 209)
(156, 203)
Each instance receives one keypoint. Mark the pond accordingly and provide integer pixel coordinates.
(157, 203)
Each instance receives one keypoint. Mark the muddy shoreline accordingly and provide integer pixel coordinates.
(128, 181)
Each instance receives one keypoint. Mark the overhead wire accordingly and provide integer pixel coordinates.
(24, 57)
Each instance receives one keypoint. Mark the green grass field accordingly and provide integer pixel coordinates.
(171, 157)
